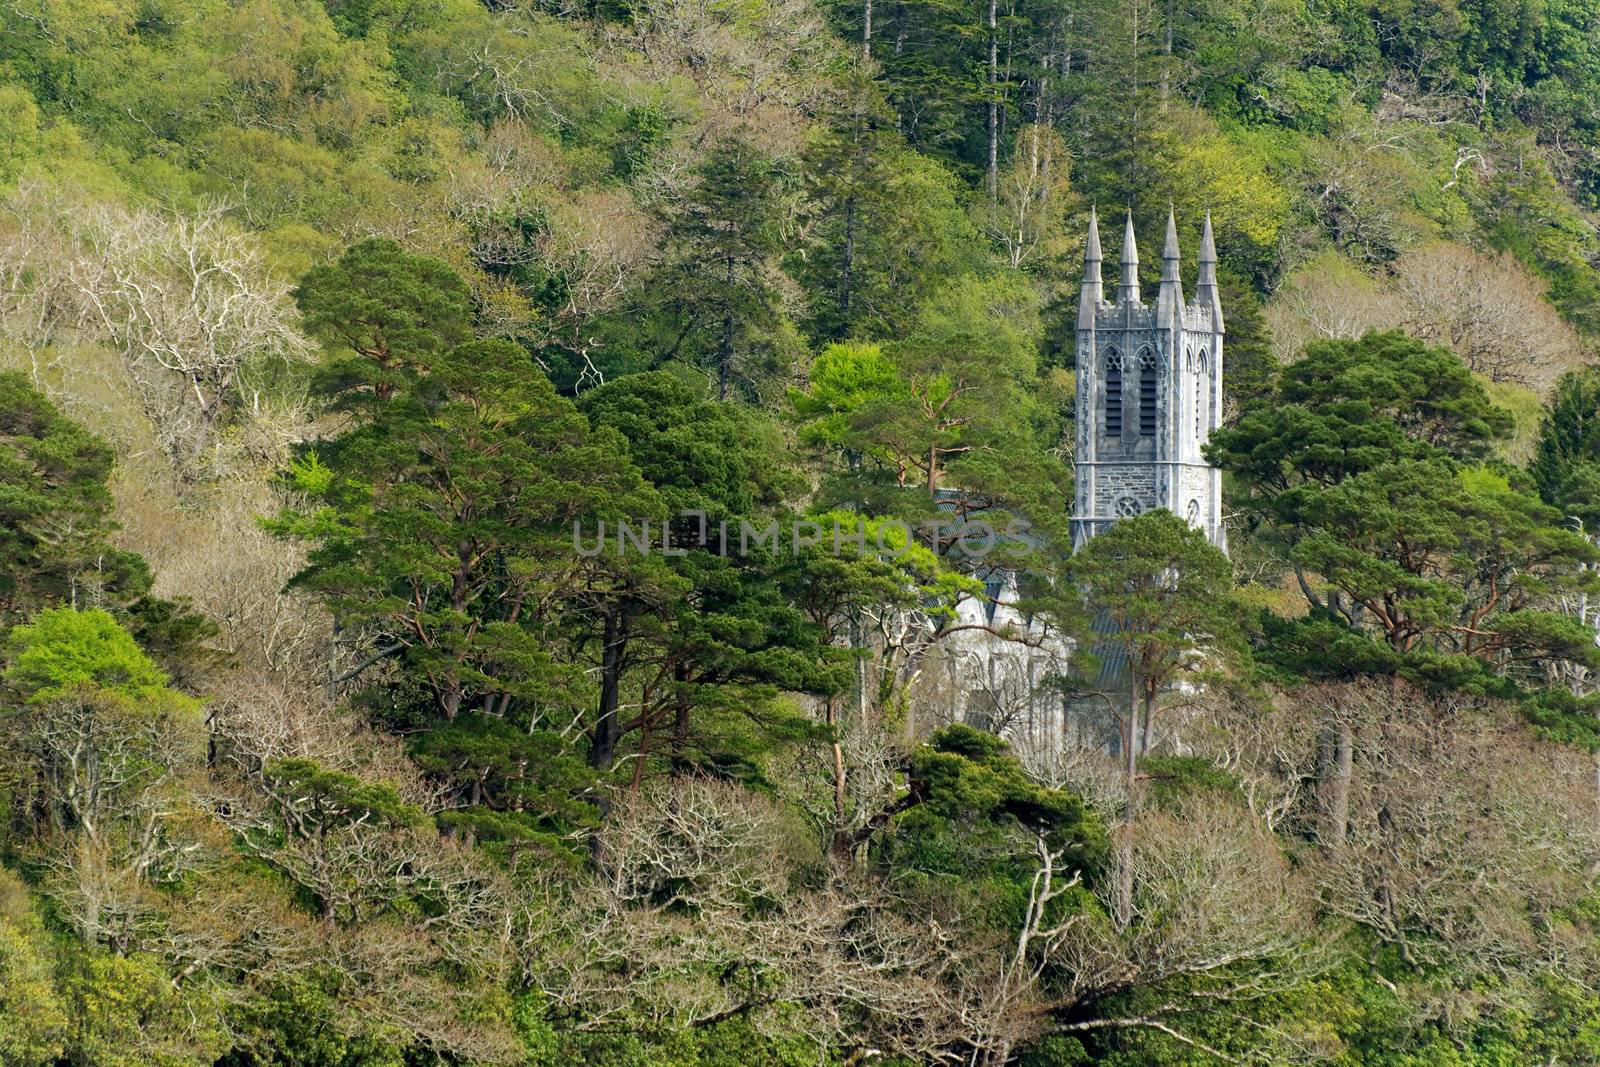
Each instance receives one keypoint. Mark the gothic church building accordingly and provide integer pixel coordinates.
(1149, 392)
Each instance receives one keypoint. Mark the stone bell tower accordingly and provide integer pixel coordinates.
(1149, 392)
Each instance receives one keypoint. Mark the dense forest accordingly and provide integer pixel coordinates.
(328, 326)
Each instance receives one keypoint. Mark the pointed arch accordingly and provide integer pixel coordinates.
(1202, 393)
(1149, 386)
(1113, 410)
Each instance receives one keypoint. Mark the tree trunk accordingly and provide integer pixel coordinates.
(452, 692)
(1341, 766)
(899, 49)
(1130, 810)
(840, 844)
(848, 265)
(866, 30)
(607, 726)
(680, 722)
(1149, 724)
(1166, 65)
(725, 342)
(994, 101)
(1130, 754)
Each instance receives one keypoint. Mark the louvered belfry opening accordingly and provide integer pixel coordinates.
(1147, 400)
(1114, 396)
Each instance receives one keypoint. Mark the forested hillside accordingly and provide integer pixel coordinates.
(328, 742)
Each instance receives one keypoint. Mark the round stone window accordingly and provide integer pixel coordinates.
(1127, 507)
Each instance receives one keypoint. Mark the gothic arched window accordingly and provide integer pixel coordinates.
(1201, 393)
(1147, 396)
(1113, 420)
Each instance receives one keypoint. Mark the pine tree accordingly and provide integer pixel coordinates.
(382, 311)
(723, 240)
(1566, 458)
(446, 524)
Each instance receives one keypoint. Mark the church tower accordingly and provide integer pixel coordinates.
(1149, 392)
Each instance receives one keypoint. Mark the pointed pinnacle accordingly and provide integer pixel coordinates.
(1206, 283)
(1169, 251)
(1128, 291)
(1090, 298)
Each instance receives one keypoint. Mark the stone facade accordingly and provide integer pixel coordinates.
(1149, 392)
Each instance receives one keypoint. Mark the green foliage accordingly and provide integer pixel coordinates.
(712, 304)
(1526, 213)
(55, 510)
(1566, 459)
(33, 1019)
(643, 200)
(332, 798)
(1350, 406)
(125, 1012)
(727, 461)
(294, 1023)
(963, 773)
(99, 732)
(844, 379)
(716, 622)
(1360, 466)
(522, 785)
(1251, 366)
(56, 528)
(887, 228)
(452, 520)
(383, 312)
(64, 653)
(969, 820)
(1156, 589)
(733, 1042)
(1174, 779)
(951, 414)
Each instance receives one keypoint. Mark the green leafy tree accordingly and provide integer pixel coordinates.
(1153, 596)
(126, 1012)
(33, 1019)
(713, 303)
(325, 824)
(101, 728)
(294, 1022)
(1566, 459)
(712, 634)
(519, 787)
(840, 587)
(446, 525)
(1251, 366)
(382, 311)
(1363, 467)
(966, 794)
(55, 512)
(885, 228)
(1457, 560)
(949, 421)
(1349, 406)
